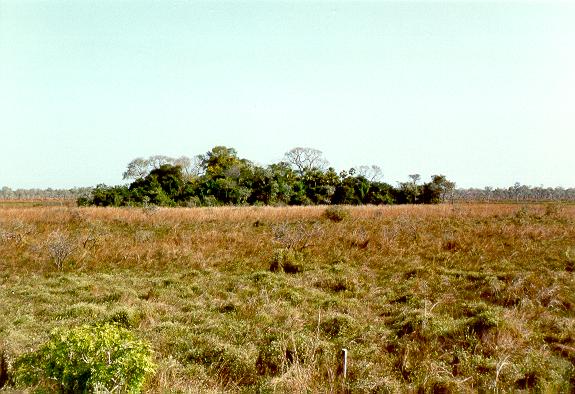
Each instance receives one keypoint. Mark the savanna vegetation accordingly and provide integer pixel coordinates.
(220, 177)
(428, 298)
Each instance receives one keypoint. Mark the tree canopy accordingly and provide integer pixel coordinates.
(220, 177)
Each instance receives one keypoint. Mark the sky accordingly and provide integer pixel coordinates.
(482, 92)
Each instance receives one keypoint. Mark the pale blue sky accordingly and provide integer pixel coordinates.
(483, 92)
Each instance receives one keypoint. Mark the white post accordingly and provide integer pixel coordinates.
(344, 363)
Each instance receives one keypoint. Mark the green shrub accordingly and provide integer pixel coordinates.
(338, 325)
(193, 201)
(210, 201)
(278, 352)
(336, 283)
(481, 317)
(124, 317)
(230, 363)
(336, 213)
(83, 201)
(87, 358)
(288, 261)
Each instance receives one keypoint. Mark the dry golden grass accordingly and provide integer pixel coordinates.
(449, 297)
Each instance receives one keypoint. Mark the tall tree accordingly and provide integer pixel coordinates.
(137, 168)
(219, 161)
(305, 159)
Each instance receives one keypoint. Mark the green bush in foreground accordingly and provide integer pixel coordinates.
(104, 357)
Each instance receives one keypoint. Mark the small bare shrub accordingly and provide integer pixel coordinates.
(150, 209)
(143, 236)
(359, 238)
(16, 232)
(9, 236)
(96, 232)
(296, 237)
(60, 246)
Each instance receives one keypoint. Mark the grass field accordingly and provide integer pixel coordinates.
(258, 299)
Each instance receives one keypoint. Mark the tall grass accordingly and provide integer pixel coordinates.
(449, 298)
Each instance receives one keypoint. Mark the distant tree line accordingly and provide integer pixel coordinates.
(517, 192)
(7, 193)
(220, 177)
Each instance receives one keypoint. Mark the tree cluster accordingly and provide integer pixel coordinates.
(220, 177)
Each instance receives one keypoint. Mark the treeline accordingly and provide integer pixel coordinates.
(7, 193)
(220, 177)
(517, 192)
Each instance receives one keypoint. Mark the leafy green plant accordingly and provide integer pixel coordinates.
(102, 357)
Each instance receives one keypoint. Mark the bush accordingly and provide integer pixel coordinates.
(83, 201)
(339, 325)
(230, 363)
(336, 213)
(278, 352)
(60, 246)
(481, 317)
(103, 357)
(288, 261)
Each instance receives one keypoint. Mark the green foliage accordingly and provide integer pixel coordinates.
(228, 362)
(481, 317)
(339, 325)
(436, 191)
(288, 261)
(163, 186)
(103, 357)
(104, 196)
(277, 352)
(219, 160)
(222, 178)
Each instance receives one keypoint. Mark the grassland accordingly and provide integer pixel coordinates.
(444, 298)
